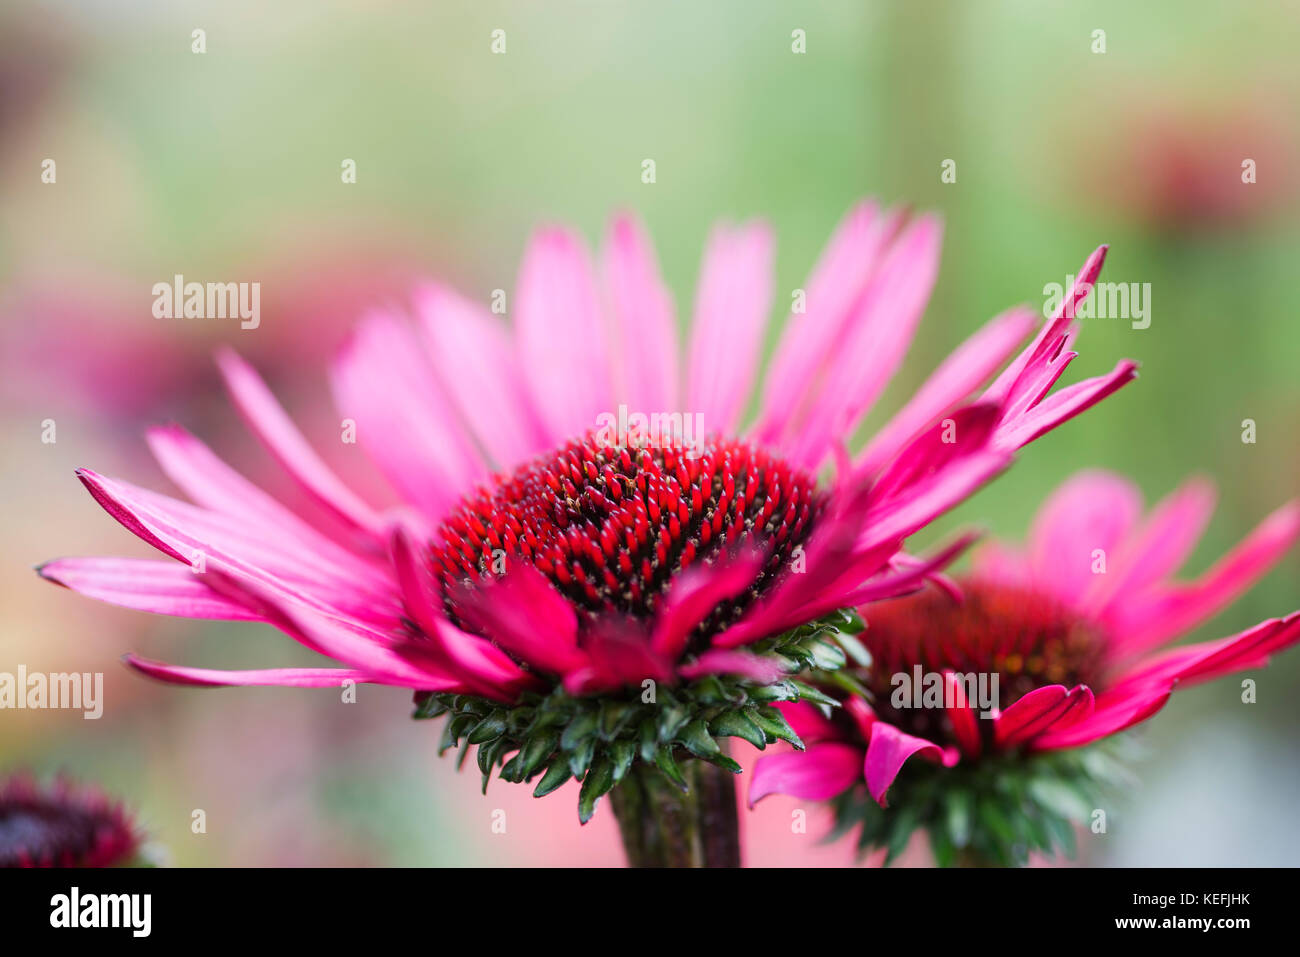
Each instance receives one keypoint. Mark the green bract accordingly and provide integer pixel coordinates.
(993, 811)
(596, 739)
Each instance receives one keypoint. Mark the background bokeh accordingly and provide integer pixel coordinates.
(226, 165)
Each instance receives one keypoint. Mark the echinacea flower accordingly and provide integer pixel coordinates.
(583, 588)
(1074, 629)
(1185, 172)
(62, 825)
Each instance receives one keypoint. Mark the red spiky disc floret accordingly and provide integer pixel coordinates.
(62, 826)
(1026, 638)
(612, 526)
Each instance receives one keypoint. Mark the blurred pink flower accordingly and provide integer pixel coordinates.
(1071, 626)
(1181, 169)
(89, 339)
(62, 825)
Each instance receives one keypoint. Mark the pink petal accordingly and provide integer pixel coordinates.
(965, 722)
(1204, 661)
(1113, 713)
(383, 381)
(945, 583)
(620, 655)
(915, 575)
(964, 432)
(524, 614)
(210, 482)
(723, 662)
(694, 594)
(998, 562)
(808, 721)
(1021, 384)
(1022, 389)
(956, 378)
(479, 663)
(862, 716)
(818, 774)
(164, 588)
(482, 663)
(1039, 711)
(1170, 611)
(1093, 510)
(294, 569)
(286, 677)
(643, 318)
(1160, 547)
(474, 357)
(1251, 649)
(283, 440)
(828, 552)
(731, 308)
(929, 498)
(386, 657)
(561, 335)
(810, 338)
(888, 752)
(877, 339)
(1018, 431)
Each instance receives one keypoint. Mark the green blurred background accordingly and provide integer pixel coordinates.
(226, 165)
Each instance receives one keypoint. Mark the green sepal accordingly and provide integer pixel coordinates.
(580, 757)
(594, 786)
(725, 762)
(847, 621)
(623, 753)
(961, 812)
(613, 716)
(428, 705)
(671, 718)
(908, 820)
(696, 739)
(489, 729)
(995, 810)
(648, 740)
(736, 724)
(512, 770)
(777, 691)
(488, 756)
(664, 761)
(579, 729)
(469, 704)
(855, 649)
(809, 693)
(455, 730)
(558, 736)
(827, 656)
(774, 725)
(535, 752)
(556, 775)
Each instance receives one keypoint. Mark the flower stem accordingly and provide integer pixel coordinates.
(662, 826)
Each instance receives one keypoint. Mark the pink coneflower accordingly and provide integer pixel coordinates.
(62, 825)
(1207, 169)
(1072, 627)
(581, 602)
